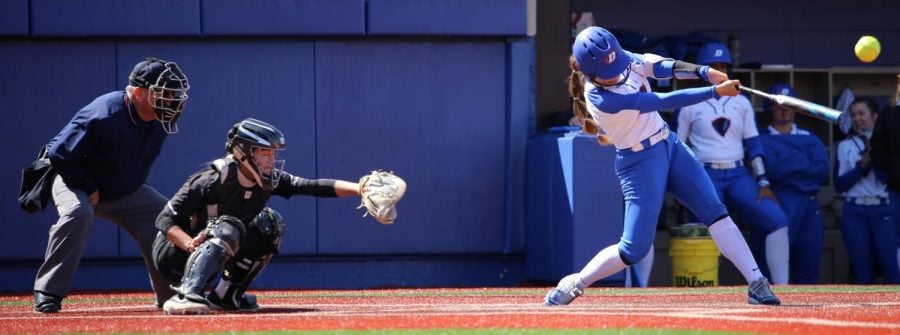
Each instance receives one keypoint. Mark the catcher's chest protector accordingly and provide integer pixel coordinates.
(235, 199)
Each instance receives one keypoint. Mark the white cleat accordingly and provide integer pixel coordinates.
(569, 288)
(181, 306)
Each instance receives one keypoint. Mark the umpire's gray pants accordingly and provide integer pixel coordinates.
(135, 212)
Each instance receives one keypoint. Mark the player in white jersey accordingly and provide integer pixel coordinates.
(720, 131)
(867, 223)
(611, 85)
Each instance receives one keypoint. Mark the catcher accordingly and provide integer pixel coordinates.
(218, 220)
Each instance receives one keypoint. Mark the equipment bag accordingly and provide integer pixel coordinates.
(37, 181)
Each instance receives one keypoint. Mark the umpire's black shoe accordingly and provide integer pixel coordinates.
(46, 302)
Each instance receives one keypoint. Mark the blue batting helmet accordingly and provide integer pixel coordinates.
(780, 88)
(713, 52)
(599, 54)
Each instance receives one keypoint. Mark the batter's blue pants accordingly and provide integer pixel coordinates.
(645, 176)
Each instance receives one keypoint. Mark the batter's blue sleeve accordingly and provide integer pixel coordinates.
(611, 102)
(680, 70)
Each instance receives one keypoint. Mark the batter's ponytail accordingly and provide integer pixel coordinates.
(579, 106)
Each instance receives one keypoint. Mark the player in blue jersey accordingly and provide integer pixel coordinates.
(721, 131)
(797, 163)
(612, 93)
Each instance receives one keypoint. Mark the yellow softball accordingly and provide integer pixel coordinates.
(867, 49)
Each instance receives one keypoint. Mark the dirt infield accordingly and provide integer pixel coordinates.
(807, 310)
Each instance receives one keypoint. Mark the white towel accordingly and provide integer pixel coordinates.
(843, 105)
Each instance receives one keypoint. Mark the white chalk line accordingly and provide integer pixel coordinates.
(706, 311)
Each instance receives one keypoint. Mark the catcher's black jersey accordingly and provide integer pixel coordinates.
(206, 193)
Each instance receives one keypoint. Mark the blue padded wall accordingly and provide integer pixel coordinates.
(51, 82)
(446, 114)
(284, 17)
(461, 132)
(14, 17)
(519, 124)
(231, 81)
(451, 17)
(115, 17)
(575, 204)
(440, 124)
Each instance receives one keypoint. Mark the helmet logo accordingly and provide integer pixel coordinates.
(611, 57)
(785, 91)
(719, 53)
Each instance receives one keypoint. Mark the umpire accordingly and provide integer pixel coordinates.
(103, 156)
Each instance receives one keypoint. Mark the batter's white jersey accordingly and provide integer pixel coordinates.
(716, 128)
(628, 127)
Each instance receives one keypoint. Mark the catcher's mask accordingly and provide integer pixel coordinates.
(255, 144)
(167, 86)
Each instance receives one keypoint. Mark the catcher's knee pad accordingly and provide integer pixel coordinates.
(228, 233)
(202, 267)
(265, 231)
(261, 243)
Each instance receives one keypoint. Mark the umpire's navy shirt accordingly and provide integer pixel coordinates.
(107, 147)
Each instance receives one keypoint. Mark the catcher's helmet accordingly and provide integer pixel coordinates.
(168, 88)
(599, 54)
(782, 89)
(244, 140)
(714, 52)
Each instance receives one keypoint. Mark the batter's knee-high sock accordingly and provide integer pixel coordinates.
(604, 264)
(733, 246)
(778, 251)
(643, 268)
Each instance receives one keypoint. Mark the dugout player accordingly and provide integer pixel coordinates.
(797, 162)
(218, 221)
(612, 93)
(103, 156)
(721, 131)
(868, 218)
(885, 153)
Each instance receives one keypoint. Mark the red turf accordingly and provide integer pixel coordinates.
(802, 313)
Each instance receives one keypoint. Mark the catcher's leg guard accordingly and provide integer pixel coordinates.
(261, 243)
(204, 265)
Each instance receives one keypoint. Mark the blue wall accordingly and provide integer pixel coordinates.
(449, 110)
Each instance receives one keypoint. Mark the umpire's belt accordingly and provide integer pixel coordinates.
(724, 166)
(660, 135)
(869, 201)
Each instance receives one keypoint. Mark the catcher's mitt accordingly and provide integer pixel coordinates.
(380, 192)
